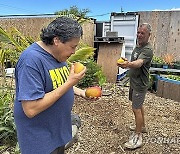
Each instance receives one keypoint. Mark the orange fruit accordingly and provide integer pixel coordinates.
(93, 92)
(78, 67)
(120, 60)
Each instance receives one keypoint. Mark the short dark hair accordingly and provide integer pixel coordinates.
(62, 27)
(148, 26)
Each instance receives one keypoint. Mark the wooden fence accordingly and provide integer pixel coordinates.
(31, 26)
(165, 36)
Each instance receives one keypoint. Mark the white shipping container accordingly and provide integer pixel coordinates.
(124, 25)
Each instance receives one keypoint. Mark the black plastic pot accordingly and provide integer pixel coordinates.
(153, 65)
(159, 65)
(7, 64)
(177, 66)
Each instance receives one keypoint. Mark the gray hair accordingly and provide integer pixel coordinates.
(148, 26)
(62, 27)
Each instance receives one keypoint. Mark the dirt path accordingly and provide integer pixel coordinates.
(105, 124)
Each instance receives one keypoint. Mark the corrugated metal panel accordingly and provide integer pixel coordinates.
(126, 25)
(106, 28)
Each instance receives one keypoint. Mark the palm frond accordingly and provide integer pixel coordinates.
(2, 57)
(22, 40)
(8, 37)
(4, 36)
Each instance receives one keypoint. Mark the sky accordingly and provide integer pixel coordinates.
(99, 9)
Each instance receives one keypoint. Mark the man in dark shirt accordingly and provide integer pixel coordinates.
(139, 78)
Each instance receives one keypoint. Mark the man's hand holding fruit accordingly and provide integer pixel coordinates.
(122, 62)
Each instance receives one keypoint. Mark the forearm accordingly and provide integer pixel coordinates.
(79, 91)
(135, 64)
(32, 108)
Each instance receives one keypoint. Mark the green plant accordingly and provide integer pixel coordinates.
(12, 43)
(15, 38)
(11, 55)
(82, 54)
(157, 59)
(101, 77)
(174, 77)
(7, 129)
(75, 12)
(2, 60)
(177, 62)
(2, 57)
(151, 82)
(94, 74)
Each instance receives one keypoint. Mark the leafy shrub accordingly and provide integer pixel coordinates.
(94, 75)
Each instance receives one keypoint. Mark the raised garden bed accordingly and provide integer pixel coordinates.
(168, 88)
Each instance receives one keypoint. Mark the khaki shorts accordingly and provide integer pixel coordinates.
(137, 98)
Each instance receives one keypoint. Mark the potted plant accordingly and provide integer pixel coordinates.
(168, 59)
(157, 62)
(177, 65)
(174, 77)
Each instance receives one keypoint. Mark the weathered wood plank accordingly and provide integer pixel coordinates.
(168, 90)
(160, 88)
(107, 59)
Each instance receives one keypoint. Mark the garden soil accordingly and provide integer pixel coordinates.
(105, 124)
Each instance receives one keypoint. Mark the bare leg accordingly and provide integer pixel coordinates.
(142, 111)
(138, 119)
(135, 140)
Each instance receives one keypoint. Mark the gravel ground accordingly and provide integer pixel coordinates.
(105, 124)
